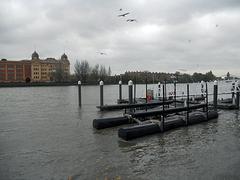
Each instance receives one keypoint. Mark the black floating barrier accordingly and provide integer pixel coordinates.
(226, 104)
(167, 111)
(109, 122)
(102, 123)
(128, 133)
(138, 131)
(126, 106)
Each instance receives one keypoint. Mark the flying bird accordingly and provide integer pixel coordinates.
(120, 9)
(131, 20)
(123, 15)
(102, 53)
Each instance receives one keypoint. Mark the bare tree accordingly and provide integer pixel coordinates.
(109, 71)
(77, 69)
(82, 70)
(102, 72)
(95, 73)
(59, 75)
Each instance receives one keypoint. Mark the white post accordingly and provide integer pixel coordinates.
(130, 91)
(120, 90)
(101, 92)
(79, 93)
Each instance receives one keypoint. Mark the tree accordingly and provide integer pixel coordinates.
(95, 73)
(210, 76)
(102, 72)
(109, 71)
(77, 69)
(59, 75)
(228, 75)
(197, 77)
(82, 70)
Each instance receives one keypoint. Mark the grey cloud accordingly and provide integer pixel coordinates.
(159, 41)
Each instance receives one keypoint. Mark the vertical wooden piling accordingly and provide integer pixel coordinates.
(163, 108)
(237, 93)
(135, 86)
(120, 90)
(165, 90)
(146, 91)
(101, 92)
(79, 94)
(187, 104)
(215, 95)
(233, 92)
(206, 100)
(202, 88)
(130, 91)
(159, 91)
(175, 94)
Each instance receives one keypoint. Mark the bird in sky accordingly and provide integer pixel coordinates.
(102, 53)
(120, 9)
(123, 15)
(131, 20)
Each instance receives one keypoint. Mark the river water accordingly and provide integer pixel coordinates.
(45, 135)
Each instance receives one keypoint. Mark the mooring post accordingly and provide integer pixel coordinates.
(146, 94)
(79, 93)
(202, 93)
(135, 86)
(237, 94)
(120, 90)
(159, 91)
(187, 104)
(233, 92)
(215, 95)
(165, 90)
(207, 100)
(130, 91)
(163, 108)
(202, 88)
(175, 94)
(146, 91)
(101, 92)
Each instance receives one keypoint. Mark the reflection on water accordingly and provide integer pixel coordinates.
(45, 135)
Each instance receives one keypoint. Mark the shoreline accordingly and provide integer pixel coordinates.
(37, 84)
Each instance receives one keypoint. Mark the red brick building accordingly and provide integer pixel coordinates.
(15, 71)
(34, 70)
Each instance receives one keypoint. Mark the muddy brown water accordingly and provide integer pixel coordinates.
(45, 135)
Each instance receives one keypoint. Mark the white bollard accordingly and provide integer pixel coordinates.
(101, 92)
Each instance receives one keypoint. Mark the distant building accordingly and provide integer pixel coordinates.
(34, 70)
(15, 71)
(44, 70)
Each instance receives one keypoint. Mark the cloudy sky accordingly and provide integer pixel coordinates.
(169, 36)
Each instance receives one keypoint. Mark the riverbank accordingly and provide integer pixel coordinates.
(33, 84)
(37, 84)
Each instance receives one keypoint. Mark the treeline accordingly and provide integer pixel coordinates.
(93, 74)
(154, 77)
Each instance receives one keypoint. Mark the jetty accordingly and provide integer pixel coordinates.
(167, 113)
